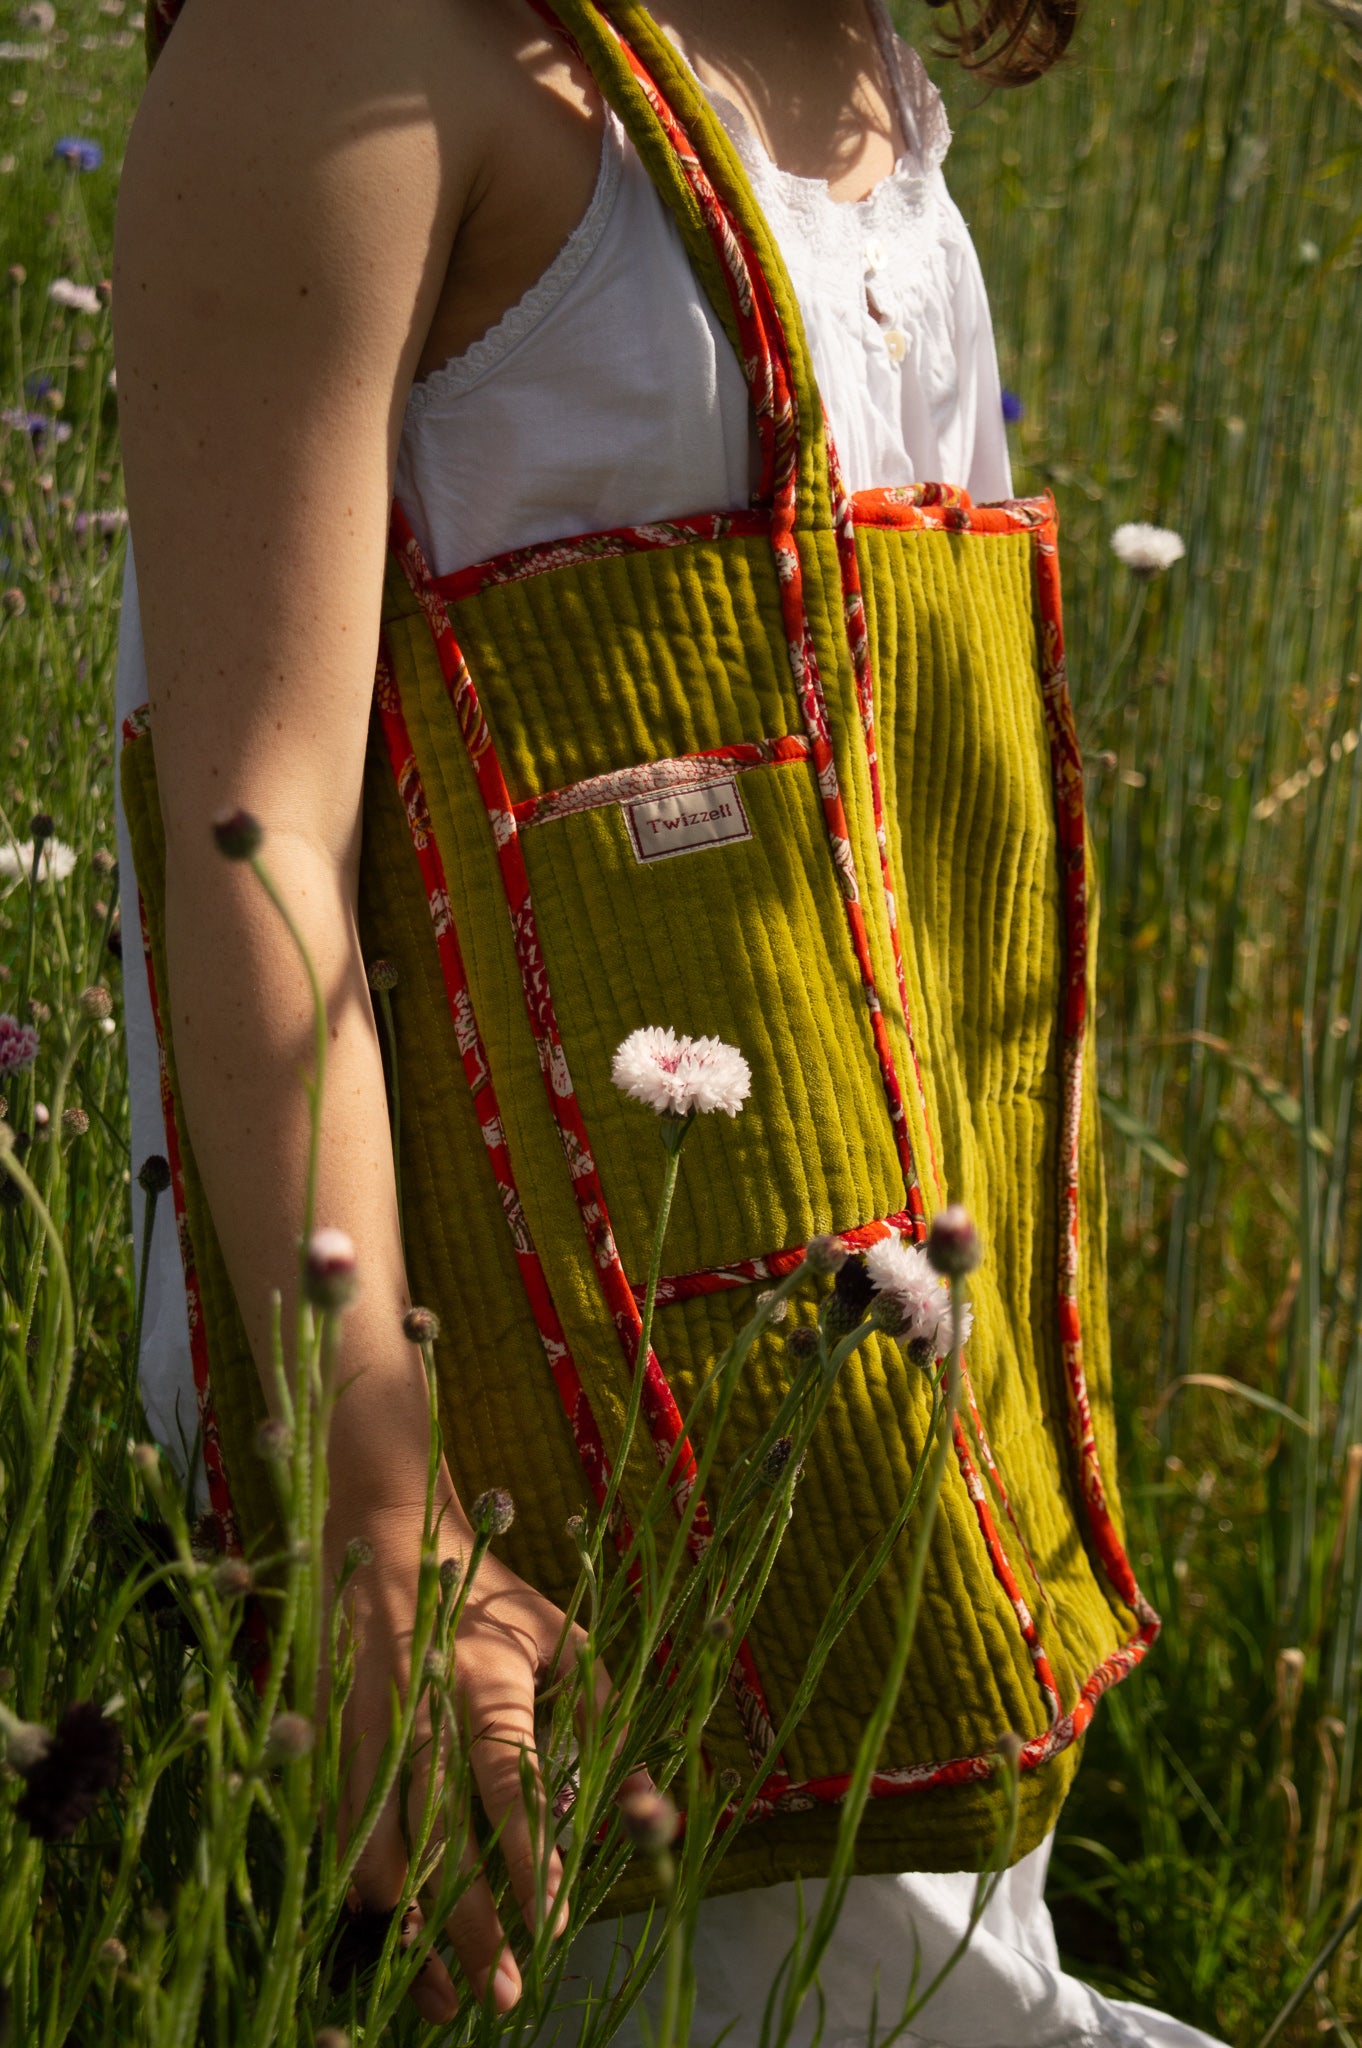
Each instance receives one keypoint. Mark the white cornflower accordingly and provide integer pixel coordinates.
(77, 298)
(16, 861)
(1148, 550)
(917, 1295)
(681, 1076)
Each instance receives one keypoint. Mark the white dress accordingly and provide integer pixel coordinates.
(558, 422)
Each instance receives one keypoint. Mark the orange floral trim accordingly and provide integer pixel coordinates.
(658, 778)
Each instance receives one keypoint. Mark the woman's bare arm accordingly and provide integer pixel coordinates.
(284, 227)
(292, 190)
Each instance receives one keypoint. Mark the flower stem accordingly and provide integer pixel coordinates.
(22, 1526)
(805, 1968)
(394, 1099)
(673, 1141)
(1101, 694)
(135, 1346)
(315, 1085)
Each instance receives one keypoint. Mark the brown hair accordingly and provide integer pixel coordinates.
(1009, 42)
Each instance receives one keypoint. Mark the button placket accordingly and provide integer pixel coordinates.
(872, 264)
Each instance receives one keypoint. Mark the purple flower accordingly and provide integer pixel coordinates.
(79, 151)
(1012, 408)
(18, 1045)
(40, 425)
(105, 524)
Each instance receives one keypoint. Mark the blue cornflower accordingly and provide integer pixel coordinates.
(1012, 408)
(40, 425)
(79, 151)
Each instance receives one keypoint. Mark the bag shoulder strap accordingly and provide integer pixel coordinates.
(700, 179)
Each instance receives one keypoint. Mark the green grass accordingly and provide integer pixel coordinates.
(1171, 231)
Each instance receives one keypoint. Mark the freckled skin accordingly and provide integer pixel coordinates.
(310, 188)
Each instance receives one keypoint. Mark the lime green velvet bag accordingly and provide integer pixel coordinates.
(802, 776)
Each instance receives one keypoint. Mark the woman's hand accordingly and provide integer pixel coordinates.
(508, 1639)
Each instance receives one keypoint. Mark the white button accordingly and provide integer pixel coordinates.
(896, 344)
(872, 257)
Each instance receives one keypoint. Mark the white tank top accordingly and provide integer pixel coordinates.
(610, 394)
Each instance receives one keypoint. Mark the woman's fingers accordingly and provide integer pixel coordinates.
(381, 1874)
(602, 1688)
(380, 1882)
(479, 1939)
(505, 1765)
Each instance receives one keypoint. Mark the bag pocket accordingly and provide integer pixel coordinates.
(701, 893)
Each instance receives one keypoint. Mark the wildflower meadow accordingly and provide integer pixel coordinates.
(1171, 231)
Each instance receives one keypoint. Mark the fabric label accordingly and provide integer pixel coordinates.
(660, 826)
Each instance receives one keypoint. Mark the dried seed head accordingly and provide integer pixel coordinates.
(887, 1313)
(199, 1723)
(238, 834)
(233, 1578)
(382, 976)
(358, 1551)
(802, 1343)
(451, 1571)
(730, 1781)
(153, 1175)
(331, 2037)
(719, 1627)
(1009, 1747)
(493, 1512)
(102, 861)
(273, 1441)
(649, 1821)
(953, 1242)
(421, 1325)
(576, 1527)
(95, 1003)
(41, 827)
(13, 602)
(825, 1254)
(849, 1303)
(330, 1269)
(291, 1736)
(113, 1952)
(74, 1121)
(776, 1459)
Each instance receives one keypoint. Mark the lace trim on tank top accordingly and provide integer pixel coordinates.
(458, 375)
(908, 204)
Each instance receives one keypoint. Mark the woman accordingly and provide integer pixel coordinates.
(361, 243)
